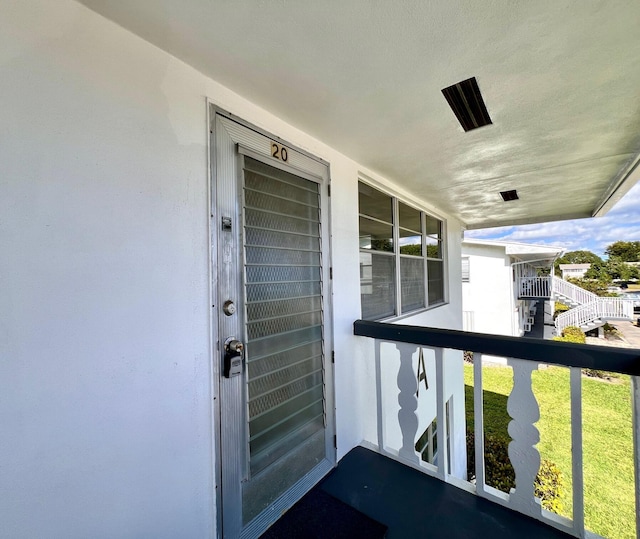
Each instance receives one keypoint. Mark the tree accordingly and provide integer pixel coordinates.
(602, 273)
(597, 287)
(619, 270)
(625, 251)
(415, 250)
(599, 272)
(577, 257)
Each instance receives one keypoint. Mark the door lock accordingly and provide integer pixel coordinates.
(233, 355)
(229, 308)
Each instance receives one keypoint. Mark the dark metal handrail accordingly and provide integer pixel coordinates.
(604, 358)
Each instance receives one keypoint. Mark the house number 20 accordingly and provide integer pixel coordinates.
(279, 152)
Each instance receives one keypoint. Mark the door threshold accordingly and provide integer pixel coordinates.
(259, 525)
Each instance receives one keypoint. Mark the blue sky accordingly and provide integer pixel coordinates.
(622, 223)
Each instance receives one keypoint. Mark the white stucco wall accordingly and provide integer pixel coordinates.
(489, 292)
(105, 354)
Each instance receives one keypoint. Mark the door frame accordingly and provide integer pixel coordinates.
(213, 112)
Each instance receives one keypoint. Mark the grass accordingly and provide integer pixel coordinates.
(607, 439)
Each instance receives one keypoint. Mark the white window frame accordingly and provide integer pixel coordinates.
(396, 200)
(466, 269)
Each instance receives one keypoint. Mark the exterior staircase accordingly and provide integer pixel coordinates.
(588, 311)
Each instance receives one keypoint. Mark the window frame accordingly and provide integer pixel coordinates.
(398, 256)
(466, 271)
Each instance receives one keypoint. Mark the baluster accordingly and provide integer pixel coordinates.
(478, 424)
(576, 450)
(635, 419)
(525, 458)
(441, 406)
(408, 401)
(379, 397)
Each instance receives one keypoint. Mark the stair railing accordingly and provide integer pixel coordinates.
(578, 316)
(573, 292)
(601, 308)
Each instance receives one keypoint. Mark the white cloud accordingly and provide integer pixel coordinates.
(630, 202)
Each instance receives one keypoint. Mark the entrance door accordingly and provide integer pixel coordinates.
(270, 261)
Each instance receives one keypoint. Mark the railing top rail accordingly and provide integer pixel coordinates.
(561, 284)
(605, 358)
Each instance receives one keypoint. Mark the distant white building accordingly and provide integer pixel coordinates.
(490, 269)
(574, 271)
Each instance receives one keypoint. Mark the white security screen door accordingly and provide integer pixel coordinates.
(270, 262)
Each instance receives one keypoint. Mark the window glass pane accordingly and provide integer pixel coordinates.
(435, 277)
(374, 203)
(409, 217)
(434, 249)
(376, 236)
(465, 269)
(377, 288)
(434, 227)
(383, 218)
(412, 283)
(410, 243)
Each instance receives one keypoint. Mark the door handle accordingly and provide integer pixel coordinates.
(233, 356)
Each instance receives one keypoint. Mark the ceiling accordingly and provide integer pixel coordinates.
(560, 79)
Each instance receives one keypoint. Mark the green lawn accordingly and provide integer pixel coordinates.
(607, 439)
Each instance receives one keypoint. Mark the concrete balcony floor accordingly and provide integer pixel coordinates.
(414, 505)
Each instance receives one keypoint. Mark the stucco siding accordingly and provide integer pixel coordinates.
(489, 292)
(105, 326)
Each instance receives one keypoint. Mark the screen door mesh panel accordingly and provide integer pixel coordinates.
(283, 287)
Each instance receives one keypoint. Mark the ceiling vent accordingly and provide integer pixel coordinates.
(467, 104)
(509, 195)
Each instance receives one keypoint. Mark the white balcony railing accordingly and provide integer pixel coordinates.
(535, 287)
(548, 286)
(418, 398)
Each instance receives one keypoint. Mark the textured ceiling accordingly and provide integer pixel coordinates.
(561, 81)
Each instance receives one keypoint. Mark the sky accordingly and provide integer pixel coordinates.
(621, 223)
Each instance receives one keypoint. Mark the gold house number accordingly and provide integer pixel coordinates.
(279, 152)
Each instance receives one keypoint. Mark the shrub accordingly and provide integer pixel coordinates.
(499, 473)
(468, 356)
(498, 469)
(549, 486)
(604, 375)
(560, 308)
(572, 334)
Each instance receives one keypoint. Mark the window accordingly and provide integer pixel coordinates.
(427, 444)
(465, 269)
(401, 256)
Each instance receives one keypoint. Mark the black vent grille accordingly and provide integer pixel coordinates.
(467, 104)
(509, 195)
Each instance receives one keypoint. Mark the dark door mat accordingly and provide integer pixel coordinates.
(319, 515)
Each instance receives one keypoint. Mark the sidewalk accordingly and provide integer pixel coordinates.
(630, 332)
